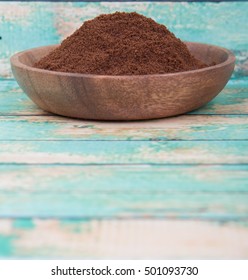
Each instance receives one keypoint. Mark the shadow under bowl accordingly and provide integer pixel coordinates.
(129, 97)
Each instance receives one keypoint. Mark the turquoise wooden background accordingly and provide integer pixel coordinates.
(75, 188)
(31, 24)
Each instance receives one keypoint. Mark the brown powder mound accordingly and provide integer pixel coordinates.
(121, 44)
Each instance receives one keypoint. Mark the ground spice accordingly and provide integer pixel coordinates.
(121, 44)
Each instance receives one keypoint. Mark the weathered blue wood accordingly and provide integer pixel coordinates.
(218, 193)
(23, 25)
(158, 185)
(124, 152)
(29, 24)
(172, 179)
(232, 100)
(125, 1)
(116, 239)
(14, 102)
(188, 127)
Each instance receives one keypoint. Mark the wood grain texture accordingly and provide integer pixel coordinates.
(126, 1)
(124, 152)
(72, 195)
(126, 97)
(185, 128)
(124, 179)
(48, 23)
(116, 239)
(233, 100)
(209, 202)
(208, 193)
(14, 102)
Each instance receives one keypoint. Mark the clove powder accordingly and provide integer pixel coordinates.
(121, 44)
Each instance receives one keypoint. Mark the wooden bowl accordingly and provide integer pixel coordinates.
(137, 97)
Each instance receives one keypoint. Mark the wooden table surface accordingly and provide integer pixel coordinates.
(168, 188)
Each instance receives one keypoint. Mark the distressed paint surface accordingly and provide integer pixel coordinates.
(215, 193)
(121, 179)
(124, 152)
(14, 102)
(187, 127)
(75, 188)
(105, 239)
(38, 182)
(30, 24)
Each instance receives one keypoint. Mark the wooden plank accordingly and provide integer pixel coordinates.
(48, 23)
(122, 239)
(218, 1)
(232, 100)
(58, 179)
(187, 127)
(24, 25)
(14, 102)
(124, 152)
(215, 193)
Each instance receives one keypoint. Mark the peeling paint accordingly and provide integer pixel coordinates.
(123, 178)
(11, 12)
(48, 23)
(117, 239)
(136, 179)
(186, 127)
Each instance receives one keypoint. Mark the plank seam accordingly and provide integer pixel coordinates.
(123, 164)
(153, 217)
(123, 140)
(215, 1)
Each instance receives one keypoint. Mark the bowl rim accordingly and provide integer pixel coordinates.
(15, 61)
